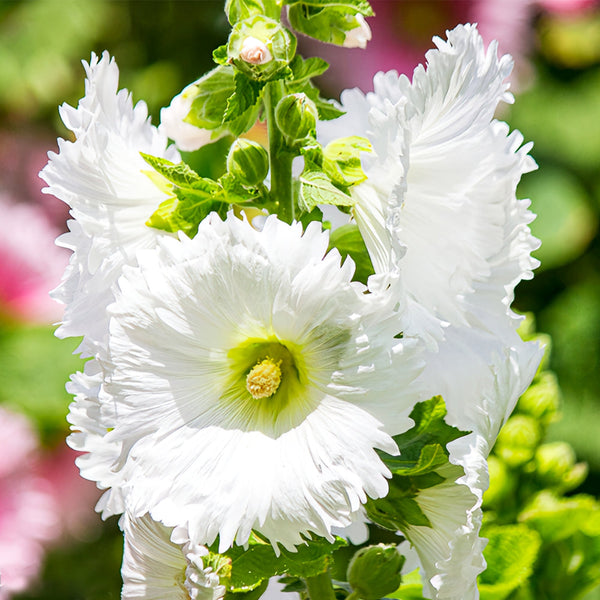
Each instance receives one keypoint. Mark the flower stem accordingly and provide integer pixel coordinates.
(280, 157)
(319, 587)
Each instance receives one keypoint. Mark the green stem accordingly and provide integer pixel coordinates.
(353, 596)
(319, 587)
(280, 158)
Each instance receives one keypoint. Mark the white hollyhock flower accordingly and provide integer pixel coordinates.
(156, 568)
(251, 379)
(440, 197)
(480, 377)
(103, 179)
(440, 205)
(186, 136)
(91, 419)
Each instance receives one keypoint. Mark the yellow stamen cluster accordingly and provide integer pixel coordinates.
(264, 378)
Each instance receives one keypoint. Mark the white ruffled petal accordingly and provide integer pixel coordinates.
(156, 568)
(197, 447)
(101, 176)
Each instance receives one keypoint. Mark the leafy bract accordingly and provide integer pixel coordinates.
(306, 68)
(316, 188)
(361, 6)
(213, 106)
(423, 463)
(244, 101)
(251, 566)
(193, 197)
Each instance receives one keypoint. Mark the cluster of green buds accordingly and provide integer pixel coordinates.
(259, 76)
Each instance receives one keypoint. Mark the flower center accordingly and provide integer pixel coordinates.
(264, 378)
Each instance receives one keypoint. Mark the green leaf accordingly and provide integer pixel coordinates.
(510, 554)
(212, 94)
(252, 566)
(244, 99)
(361, 6)
(193, 199)
(253, 594)
(418, 444)
(326, 21)
(210, 97)
(179, 174)
(316, 188)
(348, 240)
(304, 69)
(342, 160)
(423, 463)
(238, 10)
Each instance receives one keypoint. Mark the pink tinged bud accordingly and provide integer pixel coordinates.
(255, 52)
(360, 35)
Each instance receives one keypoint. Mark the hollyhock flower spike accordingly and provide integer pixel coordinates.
(251, 379)
(103, 179)
(249, 393)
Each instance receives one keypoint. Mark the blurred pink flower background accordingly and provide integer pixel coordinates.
(402, 32)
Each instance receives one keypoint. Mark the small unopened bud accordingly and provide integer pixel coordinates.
(360, 35)
(518, 440)
(374, 571)
(260, 47)
(248, 162)
(255, 52)
(555, 465)
(542, 399)
(296, 116)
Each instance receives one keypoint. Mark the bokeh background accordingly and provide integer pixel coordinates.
(47, 523)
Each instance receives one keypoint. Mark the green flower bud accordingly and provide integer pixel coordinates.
(374, 571)
(296, 116)
(518, 440)
(542, 399)
(260, 47)
(248, 162)
(555, 466)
